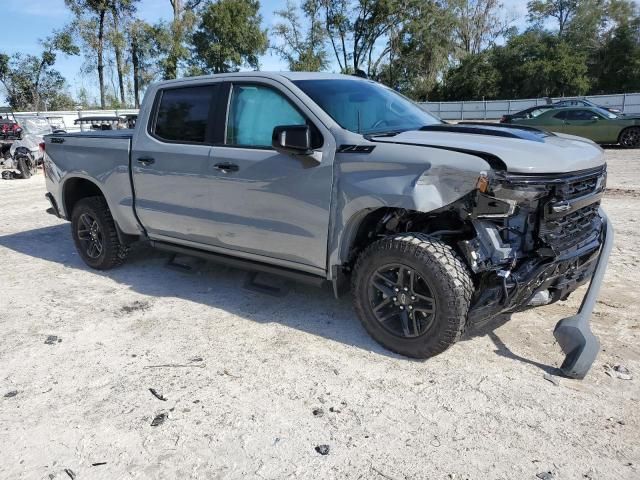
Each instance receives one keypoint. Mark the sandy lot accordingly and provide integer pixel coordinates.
(242, 373)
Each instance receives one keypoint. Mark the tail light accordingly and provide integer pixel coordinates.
(42, 146)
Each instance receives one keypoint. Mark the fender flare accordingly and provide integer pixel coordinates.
(124, 238)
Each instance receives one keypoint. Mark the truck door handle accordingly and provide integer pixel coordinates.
(227, 167)
(146, 161)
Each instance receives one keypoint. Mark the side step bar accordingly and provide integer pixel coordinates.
(242, 264)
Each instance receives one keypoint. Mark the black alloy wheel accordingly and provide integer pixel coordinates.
(402, 301)
(90, 236)
(630, 137)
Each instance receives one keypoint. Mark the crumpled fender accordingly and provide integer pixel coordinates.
(415, 178)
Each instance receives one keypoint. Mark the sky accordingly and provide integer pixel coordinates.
(24, 22)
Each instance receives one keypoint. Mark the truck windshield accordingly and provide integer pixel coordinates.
(366, 107)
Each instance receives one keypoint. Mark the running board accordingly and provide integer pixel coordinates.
(242, 264)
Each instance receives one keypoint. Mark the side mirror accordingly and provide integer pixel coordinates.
(293, 139)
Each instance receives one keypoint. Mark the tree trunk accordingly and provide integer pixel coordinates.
(118, 52)
(135, 61)
(100, 59)
(171, 68)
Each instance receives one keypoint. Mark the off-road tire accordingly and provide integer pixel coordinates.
(24, 165)
(449, 280)
(630, 137)
(113, 252)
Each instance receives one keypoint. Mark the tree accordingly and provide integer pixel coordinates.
(356, 27)
(302, 48)
(90, 25)
(144, 44)
(537, 64)
(30, 81)
(121, 10)
(478, 24)
(475, 77)
(418, 49)
(619, 65)
(562, 11)
(229, 36)
(184, 19)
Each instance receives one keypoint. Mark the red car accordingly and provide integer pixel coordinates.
(9, 130)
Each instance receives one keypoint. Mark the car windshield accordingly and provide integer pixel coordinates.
(366, 107)
(537, 112)
(35, 126)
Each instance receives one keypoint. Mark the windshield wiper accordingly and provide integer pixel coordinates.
(390, 133)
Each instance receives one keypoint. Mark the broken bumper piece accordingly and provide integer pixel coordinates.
(573, 334)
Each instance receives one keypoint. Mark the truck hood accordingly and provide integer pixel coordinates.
(522, 150)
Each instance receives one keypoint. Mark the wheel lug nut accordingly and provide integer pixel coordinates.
(410, 307)
(397, 289)
(401, 307)
(395, 299)
(406, 289)
(412, 297)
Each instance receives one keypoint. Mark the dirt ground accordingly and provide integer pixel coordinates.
(252, 383)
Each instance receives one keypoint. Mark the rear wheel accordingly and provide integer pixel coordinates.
(412, 294)
(95, 235)
(630, 137)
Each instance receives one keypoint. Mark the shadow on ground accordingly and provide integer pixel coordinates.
(224, 288)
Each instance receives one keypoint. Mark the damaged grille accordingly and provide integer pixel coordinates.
(571, 231)
(580, 226)
(578, 188)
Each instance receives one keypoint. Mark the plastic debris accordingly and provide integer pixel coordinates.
(159, 419)
(159, 396)
(322, 449)
(618, 371)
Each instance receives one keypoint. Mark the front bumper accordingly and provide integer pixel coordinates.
(573, 334)
(555, 279)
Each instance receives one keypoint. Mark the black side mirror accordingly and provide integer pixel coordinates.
(293, 139)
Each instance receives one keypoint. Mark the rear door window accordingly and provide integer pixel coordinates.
(183, 114)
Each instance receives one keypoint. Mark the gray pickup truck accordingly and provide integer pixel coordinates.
(337, 179)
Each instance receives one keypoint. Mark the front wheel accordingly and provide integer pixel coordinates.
(95, 235)
(630, 137)
(412, 294)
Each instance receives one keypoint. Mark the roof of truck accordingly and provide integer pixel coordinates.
(293, 76)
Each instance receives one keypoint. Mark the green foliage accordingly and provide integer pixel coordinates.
(229, 36)
(418, 51)
(619, 60)
(538, 63)
(474, 78)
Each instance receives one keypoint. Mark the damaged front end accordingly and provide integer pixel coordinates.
(537, 239)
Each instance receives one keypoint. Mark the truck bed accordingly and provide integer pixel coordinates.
(102, 157)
